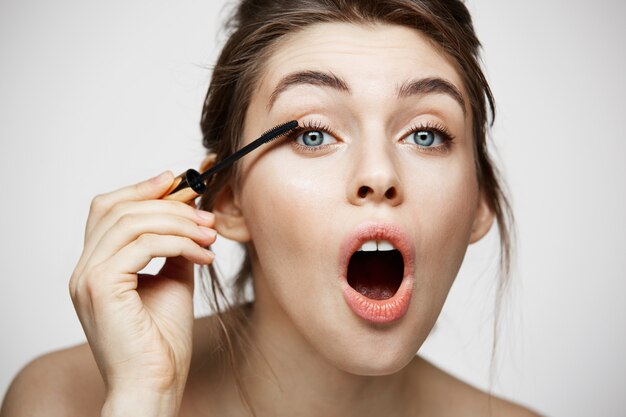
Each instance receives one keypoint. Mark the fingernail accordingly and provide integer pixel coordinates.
(207, 232)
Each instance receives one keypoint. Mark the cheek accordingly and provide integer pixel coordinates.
(288, 208)
(291, 227)
(445, 205)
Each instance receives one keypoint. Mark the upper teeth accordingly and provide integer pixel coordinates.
(373, 245)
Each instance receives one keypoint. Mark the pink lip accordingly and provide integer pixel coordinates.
(378, 311)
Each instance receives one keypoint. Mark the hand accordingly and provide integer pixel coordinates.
(139, 327)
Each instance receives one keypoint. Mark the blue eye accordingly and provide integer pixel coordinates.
(314, 138)
(430, 137)
(425, 137)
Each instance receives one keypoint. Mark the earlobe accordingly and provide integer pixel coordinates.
(229, 219)
(483, 219)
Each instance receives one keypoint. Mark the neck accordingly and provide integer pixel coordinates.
(285, 376)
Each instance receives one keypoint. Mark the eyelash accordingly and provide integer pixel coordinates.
(310, 126)
(446, 136)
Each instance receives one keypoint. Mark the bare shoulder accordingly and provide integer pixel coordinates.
(448, 395)
(68, 383)
(65, 382)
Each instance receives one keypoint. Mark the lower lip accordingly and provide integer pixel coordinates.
(380, 311)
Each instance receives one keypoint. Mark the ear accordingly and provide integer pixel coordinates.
(229, 220)
(483, 219)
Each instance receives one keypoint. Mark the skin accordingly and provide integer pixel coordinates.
(315, 356)
(293, 208)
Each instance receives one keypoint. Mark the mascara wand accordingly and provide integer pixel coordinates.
(191, 183)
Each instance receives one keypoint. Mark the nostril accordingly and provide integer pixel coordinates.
(363, 191)
(391, 193)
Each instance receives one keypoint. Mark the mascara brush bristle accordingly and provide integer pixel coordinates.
(279, 130)
(266, 137)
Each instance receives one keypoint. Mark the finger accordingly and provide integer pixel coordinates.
(145, 190)
(137, 254)
(132, 226)
(118, 274)
(166, 207)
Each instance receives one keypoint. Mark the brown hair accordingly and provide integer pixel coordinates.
(254, 28)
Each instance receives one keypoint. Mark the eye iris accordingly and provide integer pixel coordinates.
(313, 138)
(424, 137)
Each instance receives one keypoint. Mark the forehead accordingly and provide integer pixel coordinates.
(373, 59)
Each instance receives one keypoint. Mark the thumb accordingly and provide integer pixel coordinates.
(152, 188)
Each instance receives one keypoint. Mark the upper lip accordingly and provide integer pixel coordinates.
(376, 230)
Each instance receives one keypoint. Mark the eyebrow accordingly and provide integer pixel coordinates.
(409, 88)
(318, 78)
(431, 85)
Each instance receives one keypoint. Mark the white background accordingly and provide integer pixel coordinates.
(97, 95)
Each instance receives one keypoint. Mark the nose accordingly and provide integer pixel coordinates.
(375, 178)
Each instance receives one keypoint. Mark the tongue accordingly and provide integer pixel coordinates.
(376, 274)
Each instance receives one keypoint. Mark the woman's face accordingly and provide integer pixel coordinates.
(374, 166)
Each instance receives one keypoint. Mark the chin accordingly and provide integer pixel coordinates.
(374, 362)
(377, 368)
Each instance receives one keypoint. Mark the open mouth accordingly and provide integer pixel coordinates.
(376, 270)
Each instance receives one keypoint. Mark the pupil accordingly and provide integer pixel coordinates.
(425, 136)
(313, 138)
